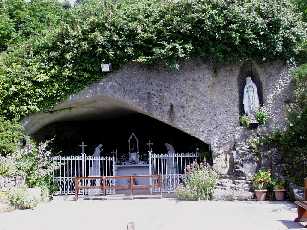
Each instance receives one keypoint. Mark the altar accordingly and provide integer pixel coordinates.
(132, 170)
(132, 166)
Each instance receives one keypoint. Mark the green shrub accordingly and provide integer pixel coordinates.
(35, 164)
(45, 69)
(262, 179)
(198, 184)
(4, 169)
(45, 194)
(11, 133)
(245, 121)
(278, 184)
(292, 143)
(22, 199)
(185, 193)
(7, 167)
(261, 116)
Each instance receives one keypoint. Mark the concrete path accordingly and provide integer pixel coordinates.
(153, 214)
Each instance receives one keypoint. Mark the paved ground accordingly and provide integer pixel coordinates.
(153, 214)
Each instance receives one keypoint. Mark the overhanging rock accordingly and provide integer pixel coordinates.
(201, 100)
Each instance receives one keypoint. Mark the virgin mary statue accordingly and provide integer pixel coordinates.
(250, 97)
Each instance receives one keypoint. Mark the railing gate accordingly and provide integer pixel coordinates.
(171, 167)
(69, 167)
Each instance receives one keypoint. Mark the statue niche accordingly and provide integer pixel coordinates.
(250, 91)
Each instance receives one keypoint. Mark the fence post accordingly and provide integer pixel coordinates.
(150, 170)
(305, 188)
(83, 171)
(131, 186)
(61, 191)
(53, 169)
(114, 180)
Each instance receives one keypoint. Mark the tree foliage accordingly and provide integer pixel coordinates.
(11, 133)
(65, 56)
(50, 51)
(293, 142)
(22, 19)
(302, 7)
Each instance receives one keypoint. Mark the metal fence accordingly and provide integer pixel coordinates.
(171, 167)
(69, 167)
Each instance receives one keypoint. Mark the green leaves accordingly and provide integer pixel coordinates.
(22, 19)
(11, 133)
(262, 179)
(198, 184)
(292, 143)
(60, 51)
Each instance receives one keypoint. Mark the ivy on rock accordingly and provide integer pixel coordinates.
(44, 69)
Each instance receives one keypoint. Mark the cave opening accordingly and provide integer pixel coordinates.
(113, 133)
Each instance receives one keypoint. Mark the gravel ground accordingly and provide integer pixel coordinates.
(153, 214)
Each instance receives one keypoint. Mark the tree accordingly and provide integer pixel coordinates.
(21, 19)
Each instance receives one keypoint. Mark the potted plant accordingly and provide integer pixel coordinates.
(261, 180)
(279, 189)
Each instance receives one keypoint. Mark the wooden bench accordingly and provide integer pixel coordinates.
(302, 206)
(104, 184)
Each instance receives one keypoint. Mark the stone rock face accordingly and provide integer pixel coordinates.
(202, 100)
(233, 189)
(244, 161)
(6, 183)
(296, 192)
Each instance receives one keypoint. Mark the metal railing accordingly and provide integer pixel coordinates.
(69, 167)
(171, 167)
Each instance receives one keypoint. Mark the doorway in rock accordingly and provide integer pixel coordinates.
(113, 133)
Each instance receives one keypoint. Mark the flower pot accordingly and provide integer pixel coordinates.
(280, 194)
(260, 194)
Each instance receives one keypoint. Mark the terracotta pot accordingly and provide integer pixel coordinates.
(260, 194)
(280, 194)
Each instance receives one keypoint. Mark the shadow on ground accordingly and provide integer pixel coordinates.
(291, 224)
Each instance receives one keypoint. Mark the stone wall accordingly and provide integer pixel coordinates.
(201, 99)
(6, 183)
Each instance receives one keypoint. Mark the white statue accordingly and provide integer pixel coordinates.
(250, 97)
(95, 169)
(97, 151)
(170, 161)
(170, 149)
(133, 142)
